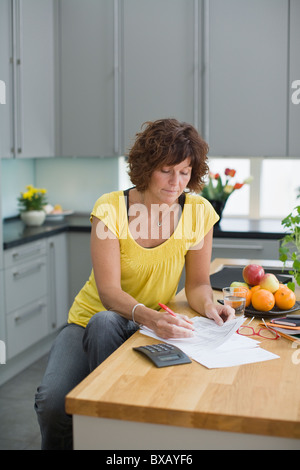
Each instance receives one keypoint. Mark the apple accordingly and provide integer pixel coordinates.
(238, 284)
(252, 274)
(270, 282)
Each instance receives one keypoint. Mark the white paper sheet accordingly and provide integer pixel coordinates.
(236, 351)
(207, 334)
(218, 346)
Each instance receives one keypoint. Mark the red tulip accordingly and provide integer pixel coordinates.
(230, 172)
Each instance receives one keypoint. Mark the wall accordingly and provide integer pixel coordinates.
(16, 174)
(75, 183)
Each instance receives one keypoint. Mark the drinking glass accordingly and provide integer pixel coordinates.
(236, 298)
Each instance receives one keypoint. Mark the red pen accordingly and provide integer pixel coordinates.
(167, 309)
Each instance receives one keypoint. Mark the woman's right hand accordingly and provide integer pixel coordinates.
(167, 326)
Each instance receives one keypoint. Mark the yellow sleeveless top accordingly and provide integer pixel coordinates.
(150, 275)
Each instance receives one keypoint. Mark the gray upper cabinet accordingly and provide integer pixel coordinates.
(247, 76)
(87, 78)
(159, 63)
(294, 108)
(27, 67)
(6, 111)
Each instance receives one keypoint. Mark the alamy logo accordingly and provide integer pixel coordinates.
(296, 94)
(2, 352)
(2, 92)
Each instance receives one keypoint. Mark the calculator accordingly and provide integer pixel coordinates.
(164, 354)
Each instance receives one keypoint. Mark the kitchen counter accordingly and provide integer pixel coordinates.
(127, 403)
(16, 233)
(249, 228)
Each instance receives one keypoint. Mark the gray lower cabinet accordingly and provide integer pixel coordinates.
(80, 263)
(36, 292)
(247, 248)
(25, 279)
(58, 283)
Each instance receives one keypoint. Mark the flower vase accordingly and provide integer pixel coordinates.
(219, 207)
(33, 218)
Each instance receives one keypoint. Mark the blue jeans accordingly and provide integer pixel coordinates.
(75, 352)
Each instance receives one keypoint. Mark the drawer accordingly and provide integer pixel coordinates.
(23, 253)
(245, 248)
(26, 326)
(25, 283)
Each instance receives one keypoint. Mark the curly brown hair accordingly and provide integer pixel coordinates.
(167, 142)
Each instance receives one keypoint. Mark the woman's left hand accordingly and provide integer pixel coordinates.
(220, 313)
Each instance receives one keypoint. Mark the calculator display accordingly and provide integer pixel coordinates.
(169, 357)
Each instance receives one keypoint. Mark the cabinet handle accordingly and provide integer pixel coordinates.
(24, 254)
(29, 313)
(19, 36)
(241, 247)
(14, 74)
(28, 271)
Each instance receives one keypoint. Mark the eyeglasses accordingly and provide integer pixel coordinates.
(264, 332)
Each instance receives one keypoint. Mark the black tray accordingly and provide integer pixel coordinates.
(274, 312)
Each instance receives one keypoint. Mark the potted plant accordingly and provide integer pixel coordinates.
(31, 203)
(217, 192)
(290, 244)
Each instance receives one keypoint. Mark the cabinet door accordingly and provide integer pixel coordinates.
(80, 263)
(27, 67)
(87, 77)
(25, 282)
(6, 111)
(158, 76)
(245, 248)
(35, 73)
(248, 43)
(294, 107)
(2, 316)
(58, 291)
(26, 326)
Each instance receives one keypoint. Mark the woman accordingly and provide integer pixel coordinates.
(140, 241)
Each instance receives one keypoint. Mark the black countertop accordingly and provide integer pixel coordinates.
(249, 228)
(16, 233)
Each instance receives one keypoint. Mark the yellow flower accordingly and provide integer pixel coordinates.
(32, 199)
(248, 180)
(228, 188)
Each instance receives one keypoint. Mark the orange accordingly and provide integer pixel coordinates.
(263, 300)
(248, 298)
(238, 290)
(285, 298)
(255, 288)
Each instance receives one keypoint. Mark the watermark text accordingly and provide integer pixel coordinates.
(296, 94)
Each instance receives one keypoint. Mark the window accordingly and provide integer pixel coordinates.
(280, 179)
(272, 193)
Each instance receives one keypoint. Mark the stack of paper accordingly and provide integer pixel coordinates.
(218, 346)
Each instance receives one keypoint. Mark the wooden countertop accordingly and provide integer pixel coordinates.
(260, 398)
